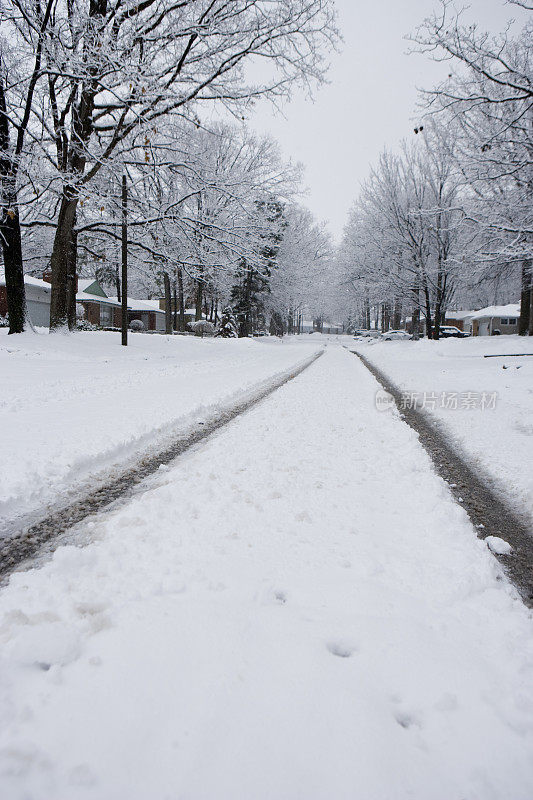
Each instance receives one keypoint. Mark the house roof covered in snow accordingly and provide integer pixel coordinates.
(510, 310)
(29, 281)
(96, 298)
(140, 305)
(86, 284)
(460, 314)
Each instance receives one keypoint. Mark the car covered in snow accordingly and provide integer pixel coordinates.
(371, 334)
(388, 336)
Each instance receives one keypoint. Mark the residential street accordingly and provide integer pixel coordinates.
(294, 609)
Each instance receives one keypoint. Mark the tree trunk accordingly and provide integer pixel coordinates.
(117, 283)
(429, 328)
(10, 228)
(124, 259)
(60, 260)
(168, 301)
(530, 330)
(181, 298)
(14, 271)
(397, 313)
(415, 323)
(72, 279)
(366, 314)
(385, 317)
(199, 299)
(524, 323)
(441, 292)
(174, 307)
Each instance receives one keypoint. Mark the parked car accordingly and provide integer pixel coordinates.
(372, 334)
(450, 331)
(388, 336)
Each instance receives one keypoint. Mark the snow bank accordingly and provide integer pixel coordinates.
(72, 405)
(496, 434)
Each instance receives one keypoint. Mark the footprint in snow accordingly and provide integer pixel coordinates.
(406, 720)
(342, 649)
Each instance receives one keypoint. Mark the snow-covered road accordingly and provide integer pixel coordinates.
(295, 610)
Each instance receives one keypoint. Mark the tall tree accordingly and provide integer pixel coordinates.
(116, 69)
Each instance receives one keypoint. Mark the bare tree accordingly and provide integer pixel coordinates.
(489, 100)
(118, 69)
(17, 88)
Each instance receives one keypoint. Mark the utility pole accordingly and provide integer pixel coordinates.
(168, 309)
(124, 261)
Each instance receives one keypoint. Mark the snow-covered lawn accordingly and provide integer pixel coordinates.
(497, 439)
(296, 609)
(73, 405)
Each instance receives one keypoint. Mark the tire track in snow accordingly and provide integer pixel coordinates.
(489, 514)
(21, 543)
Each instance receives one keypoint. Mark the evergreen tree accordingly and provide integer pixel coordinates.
(248, 295)
(247, 299)
(227, 327)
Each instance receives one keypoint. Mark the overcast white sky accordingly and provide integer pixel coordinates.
(370, 101)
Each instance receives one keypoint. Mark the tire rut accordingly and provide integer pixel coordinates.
(22, 543)
(489, 513)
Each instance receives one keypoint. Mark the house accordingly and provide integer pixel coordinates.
(189, 315)
(99, 308)
(331, 327)
(493, 320)
(147, 311)
(460, 319)
(38, 295)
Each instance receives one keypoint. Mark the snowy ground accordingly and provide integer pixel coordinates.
(295, 609)
(71, 406)
(497, 439)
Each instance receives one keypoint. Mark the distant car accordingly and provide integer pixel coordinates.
(372, 334)
(388, 336)
(450, 331)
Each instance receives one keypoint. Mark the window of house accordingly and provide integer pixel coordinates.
(512, 321)
(106, 315)
(504, 321)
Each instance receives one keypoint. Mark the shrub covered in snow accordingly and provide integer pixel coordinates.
(227, 327)
(202, 328)
(85, 325)
(136, 325)
(4, 323)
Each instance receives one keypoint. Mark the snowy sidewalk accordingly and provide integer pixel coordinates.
(297, 610)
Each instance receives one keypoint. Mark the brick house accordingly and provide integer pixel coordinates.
(460, 319)
(147, 311)
(495, 320)
(99, 308)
